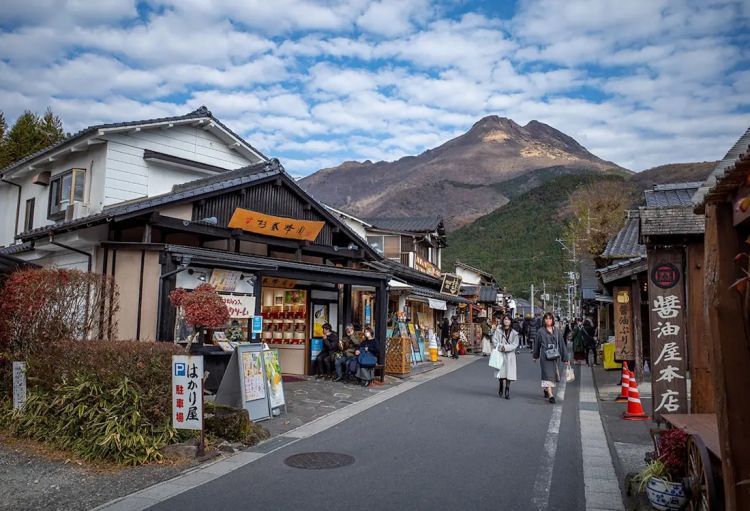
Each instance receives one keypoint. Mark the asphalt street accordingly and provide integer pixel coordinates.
(449, 444)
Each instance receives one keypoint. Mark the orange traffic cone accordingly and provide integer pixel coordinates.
(624, 384)
(635, 410)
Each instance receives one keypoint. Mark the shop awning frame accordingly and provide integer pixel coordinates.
(430, 293)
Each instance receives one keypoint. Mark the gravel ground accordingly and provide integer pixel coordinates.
(32, 477)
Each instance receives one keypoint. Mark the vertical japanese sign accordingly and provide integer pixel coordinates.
(19, 385)
(624, 344)
(187, 392)
(666, 296)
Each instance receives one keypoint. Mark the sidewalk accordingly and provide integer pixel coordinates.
(629, 441)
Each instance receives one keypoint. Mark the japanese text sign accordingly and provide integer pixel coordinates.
(624, 344)
(19, 385)
(666, 298)
(451, 284)
(239, 306)
(277, 226)
(187, 392)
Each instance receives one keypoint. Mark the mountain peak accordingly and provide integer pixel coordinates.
(494, 122)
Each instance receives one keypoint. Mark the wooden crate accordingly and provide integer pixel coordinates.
(398, 355)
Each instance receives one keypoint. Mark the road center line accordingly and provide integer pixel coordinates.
(543, 482)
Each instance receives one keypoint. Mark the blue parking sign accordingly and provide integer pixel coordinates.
(180, 369)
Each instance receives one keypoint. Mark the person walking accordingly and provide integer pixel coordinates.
(550, 349)
(534, 325)
(579, 348)
(505, 340)
(589, 339)
(455, 336)
(486, 337)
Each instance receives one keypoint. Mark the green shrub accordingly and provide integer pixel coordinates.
(232, 424)
(93, 420)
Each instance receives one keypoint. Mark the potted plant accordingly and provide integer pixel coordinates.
(203, 308)
(662, 477)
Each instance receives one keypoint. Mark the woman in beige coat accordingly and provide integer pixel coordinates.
(505, 340)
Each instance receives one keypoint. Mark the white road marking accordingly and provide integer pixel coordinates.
(543, 480)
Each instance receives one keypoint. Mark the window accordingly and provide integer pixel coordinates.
(65, 189)
(392, 247)
(376, 242)
(28, 221)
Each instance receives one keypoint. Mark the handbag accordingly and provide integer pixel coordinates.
(496, 360)
(570, 375)
(551, 353)
(367, 359)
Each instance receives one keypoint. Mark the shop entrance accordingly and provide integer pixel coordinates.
(325, 309)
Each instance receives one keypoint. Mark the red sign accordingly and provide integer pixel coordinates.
(665, 275)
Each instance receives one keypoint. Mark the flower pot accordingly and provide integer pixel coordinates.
(665, 495)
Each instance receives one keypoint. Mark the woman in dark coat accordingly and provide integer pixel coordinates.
(550, 337)
(445, 335)
(366, 374)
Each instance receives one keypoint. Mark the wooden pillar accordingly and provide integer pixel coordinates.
(381, 309)
(731, 354)
(635, 293)
(699, 350)
(347, 305)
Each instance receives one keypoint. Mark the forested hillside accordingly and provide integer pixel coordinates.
(516, 242)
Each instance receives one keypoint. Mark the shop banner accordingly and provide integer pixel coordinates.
(438, 305)
(225, 280)
(187, 392)
(426, 266)
(276, 226)
(666, 297)
(273, 378)
(240, 307)
(451, 284)
(624, 344)
(252, 376)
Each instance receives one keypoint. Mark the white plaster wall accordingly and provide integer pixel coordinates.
(468, 278)
(8, 198)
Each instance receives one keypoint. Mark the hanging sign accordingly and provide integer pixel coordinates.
(257, 324)
(239, 307)
(225, 280)
(666, 297)
(426, 266)
(276, 226)
(451, 284)
(187, 392)
(624, 343)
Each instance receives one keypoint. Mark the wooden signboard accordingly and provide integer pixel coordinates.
(451, 284)
(666, 298)
(624, 343)
(277, 226)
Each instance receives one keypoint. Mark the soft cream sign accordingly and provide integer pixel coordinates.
(239, 306)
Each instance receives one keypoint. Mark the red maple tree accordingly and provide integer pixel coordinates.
(202, 307)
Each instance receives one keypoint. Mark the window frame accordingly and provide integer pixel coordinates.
(55, 208)
(28, 220)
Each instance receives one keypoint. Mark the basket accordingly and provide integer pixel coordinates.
(398, 355)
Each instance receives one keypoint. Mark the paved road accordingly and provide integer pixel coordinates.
(449, 444)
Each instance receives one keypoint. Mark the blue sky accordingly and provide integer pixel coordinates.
(316, 83)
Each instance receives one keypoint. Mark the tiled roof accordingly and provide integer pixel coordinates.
(17, 248)
(671, 221)
(475, 270)
(200, 113)
(671, 195)
(624, 268)
(410, 275)
(727, 175)
(230, 179)
(410, 224)
(625, 243)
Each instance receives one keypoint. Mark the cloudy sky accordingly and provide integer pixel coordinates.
(315, 83)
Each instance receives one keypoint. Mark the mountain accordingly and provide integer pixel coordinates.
(516, 242)
(462, 179)
(672, 173)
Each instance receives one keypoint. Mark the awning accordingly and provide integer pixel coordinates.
(397, 285)
(424, 292)
(439, 305)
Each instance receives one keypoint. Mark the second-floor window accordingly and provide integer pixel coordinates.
(389, 246)
(64, 189)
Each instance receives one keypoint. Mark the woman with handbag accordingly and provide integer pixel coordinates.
(367, 357)
(549, 349)
(505, 341)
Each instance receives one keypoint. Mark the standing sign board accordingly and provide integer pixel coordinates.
(19, 385)
(624, 343)
(666, 296)
(252, 381)
(187, 392)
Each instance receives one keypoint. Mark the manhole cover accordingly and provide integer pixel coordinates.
(319, 460)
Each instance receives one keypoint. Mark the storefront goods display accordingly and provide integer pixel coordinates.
(398, 355)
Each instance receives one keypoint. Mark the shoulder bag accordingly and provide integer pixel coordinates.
(367, 359)
(551, 352)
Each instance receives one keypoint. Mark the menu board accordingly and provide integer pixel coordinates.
(252, 376)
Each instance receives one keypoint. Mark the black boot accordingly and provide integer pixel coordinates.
(500, 390)
(507, 389)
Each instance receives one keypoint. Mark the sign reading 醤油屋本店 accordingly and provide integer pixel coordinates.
(187, 392)
(451, 284)
(624, 345)
(276, 226)
(666, 299)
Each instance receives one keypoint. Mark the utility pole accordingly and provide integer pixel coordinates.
(532, 300)
(544, 296)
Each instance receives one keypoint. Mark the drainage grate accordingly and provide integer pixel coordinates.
(319, 460)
